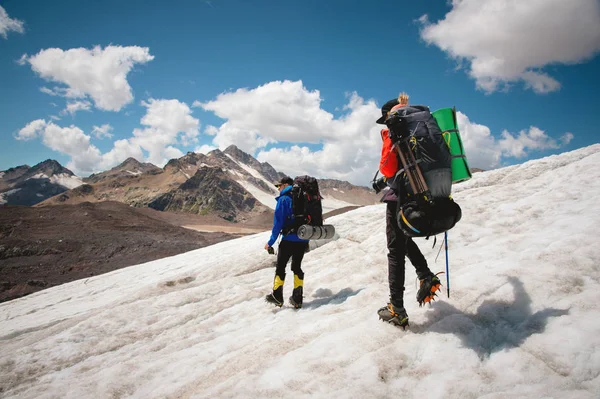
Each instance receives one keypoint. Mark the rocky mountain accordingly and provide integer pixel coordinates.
(347, 192)
(231, 184)
(12, 175)
(26, 185)
(129, 167)
(211, 191)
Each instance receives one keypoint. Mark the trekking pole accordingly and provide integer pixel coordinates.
(447, 270)
(407, 168)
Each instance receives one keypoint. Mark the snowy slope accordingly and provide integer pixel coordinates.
(523, 319)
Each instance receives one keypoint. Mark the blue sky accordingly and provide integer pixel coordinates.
(297, 84)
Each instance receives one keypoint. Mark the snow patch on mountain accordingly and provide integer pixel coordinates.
(66, 180)
(250, 170)
(262, 197)
(6, 194)
(39, 176)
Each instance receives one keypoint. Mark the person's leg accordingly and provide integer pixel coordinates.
(396, 244)
(299, 248)
(283, 256)
(417, 259)
(429, 283)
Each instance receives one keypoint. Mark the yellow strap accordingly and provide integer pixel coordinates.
(277, 283)
(447, 137)
(297, 281)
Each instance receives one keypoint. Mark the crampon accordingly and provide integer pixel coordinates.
(395, 316)
(428, 289)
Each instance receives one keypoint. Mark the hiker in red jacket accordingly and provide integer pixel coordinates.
(398, 244)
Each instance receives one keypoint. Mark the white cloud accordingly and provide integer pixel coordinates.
(288, 112)
(282, 111)
(532, 139)
(566, 138)
(509, 41)
(85, 158)
(8, 24)
(100, 74)
(122, 149)
(204, 149)
(484, 151)
(75, 106)
(46, 90)
(31, 130)
(102, 131)
(168, 122)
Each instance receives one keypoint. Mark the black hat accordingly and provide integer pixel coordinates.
(284, 180)
(387, 107)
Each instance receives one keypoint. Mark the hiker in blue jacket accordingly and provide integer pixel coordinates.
(290, 247)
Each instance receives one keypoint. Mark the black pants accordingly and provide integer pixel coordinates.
(399, 247)
(287, 250)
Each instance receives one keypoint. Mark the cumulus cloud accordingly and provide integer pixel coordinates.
(168, 124)
(70, 141)
(75, 106)
(285, 111)
(103, 131)
(31, 130)
(204, 149)
(282, 111)
(510, 41)
(8, 24)
(99, 74)
(484, 151)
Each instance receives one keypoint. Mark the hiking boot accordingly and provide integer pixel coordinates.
(296, 298)
(393, 315)
(271, 299)
(427, 289)
(294, 303)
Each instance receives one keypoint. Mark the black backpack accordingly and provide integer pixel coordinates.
(418, 137)
(306, 203)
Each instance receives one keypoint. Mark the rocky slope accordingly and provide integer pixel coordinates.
(129, 167)
(26, 185)
(45, 246)
(211, 191)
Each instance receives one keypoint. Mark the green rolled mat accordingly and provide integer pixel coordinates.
(446, 119)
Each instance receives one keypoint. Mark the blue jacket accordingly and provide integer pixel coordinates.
(284, 216)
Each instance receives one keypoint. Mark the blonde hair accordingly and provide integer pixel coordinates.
(403, 98)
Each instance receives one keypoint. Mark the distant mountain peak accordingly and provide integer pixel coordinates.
(129, 161)
(231, 148)
(49, 167)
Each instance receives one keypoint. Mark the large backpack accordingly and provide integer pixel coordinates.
(306, 203)
(428, 210)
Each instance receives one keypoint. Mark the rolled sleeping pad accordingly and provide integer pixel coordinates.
(446, 119)
(308, 232)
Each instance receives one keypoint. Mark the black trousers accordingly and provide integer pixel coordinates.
(287, 250)
(399, 247)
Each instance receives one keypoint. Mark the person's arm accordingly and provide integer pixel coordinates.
(278, 219)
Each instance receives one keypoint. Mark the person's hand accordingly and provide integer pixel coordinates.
(267, 246)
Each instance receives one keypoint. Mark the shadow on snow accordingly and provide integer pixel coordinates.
(496, 325)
